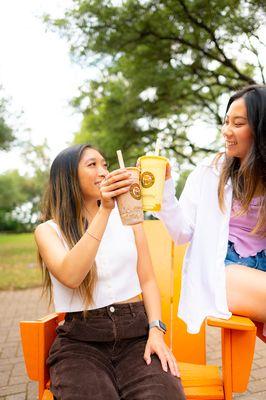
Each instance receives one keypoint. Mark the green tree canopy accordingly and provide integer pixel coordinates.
(165, 65)
(6, 133)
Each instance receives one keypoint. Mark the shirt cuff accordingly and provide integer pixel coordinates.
(169, 192)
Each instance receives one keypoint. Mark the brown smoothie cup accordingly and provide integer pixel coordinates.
(129, 203)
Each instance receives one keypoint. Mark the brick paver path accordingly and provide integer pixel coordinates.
(27, 305)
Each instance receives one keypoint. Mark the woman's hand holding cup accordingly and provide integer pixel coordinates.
(168, 171)
(114, 184)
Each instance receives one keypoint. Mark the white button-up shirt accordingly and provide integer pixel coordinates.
(198, 219)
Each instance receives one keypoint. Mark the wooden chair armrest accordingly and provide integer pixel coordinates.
(235, 322)
(238, 345)
(37, 338)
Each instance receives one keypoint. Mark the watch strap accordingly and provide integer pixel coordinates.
(158, 324)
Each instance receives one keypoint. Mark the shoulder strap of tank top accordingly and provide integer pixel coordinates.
(56, 228)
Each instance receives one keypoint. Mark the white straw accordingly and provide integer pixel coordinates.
(120, 159)
(157, 146)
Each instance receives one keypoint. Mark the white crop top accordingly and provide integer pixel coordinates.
(116, 263)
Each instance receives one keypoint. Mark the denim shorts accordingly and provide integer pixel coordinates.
(258, 261)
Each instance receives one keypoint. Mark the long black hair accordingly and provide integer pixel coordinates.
(249, 175)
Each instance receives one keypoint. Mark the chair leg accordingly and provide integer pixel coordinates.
(227, 363)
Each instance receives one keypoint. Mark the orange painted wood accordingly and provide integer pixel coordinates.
(160, 245)
(183, 343)
(205, 393)
(238, 346)
(30, 345)
(199, 375)
(37, 338)
(242, 360)
(47, 334)
(47, 395)
(227, 363)
(201, 382)
(235, 322)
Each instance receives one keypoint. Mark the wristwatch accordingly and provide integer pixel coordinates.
(158, 324)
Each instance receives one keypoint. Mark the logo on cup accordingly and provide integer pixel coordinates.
(147, 179)
(135, 191)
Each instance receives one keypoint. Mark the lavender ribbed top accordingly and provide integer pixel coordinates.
(240, 227)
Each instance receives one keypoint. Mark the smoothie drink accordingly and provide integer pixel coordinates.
(129, 203)
(152, 181)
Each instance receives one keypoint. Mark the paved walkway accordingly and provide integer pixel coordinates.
(26, 305)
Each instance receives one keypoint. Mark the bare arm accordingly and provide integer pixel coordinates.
(70, 267)
(152, 302)
(150, 290)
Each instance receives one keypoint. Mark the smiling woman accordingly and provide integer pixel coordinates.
(245, 142)
(111, 344)
(222, 212)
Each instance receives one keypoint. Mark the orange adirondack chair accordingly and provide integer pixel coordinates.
(200, 381)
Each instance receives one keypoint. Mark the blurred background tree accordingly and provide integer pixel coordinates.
(20, 195)
(165, 66)
(6, 132)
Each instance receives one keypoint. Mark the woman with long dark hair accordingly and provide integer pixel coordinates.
(111, 344)
(222, 213)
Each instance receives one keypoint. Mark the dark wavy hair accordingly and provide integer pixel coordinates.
(249, 175)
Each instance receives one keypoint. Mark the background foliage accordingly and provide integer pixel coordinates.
(6, 132)
(166, 65)
(20, 195)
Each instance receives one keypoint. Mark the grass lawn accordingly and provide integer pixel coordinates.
(18, 262)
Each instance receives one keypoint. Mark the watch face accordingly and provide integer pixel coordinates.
(162, 326)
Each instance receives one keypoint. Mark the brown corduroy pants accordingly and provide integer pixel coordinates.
(100, 357)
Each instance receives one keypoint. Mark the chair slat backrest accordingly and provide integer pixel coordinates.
(37, 338)
(167, 262)
(186, 347)
(160, 245)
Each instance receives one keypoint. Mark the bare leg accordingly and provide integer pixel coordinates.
(246, 292)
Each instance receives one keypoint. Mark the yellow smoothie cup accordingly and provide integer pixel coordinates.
(152, 181)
